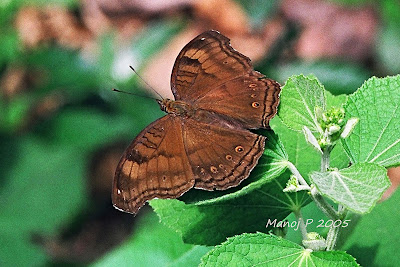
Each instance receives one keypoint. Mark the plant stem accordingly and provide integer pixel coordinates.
(325, 160)
(332, 237)
(303, 228)
(323, 205)
(333, 233)
(320, 202)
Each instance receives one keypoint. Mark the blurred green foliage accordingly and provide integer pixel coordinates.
(338, 77)
(44, 161)
(154, 245)
(258, 16)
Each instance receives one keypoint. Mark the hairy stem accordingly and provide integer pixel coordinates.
(333, 233)
(303, 228)
(320, 202)
(323, 205)
(325, 160)
(332, 237)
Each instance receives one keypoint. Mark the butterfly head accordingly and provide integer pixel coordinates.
(164, 103)
(177, 108)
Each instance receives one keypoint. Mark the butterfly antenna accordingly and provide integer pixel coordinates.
(148, 85)
(128, 93)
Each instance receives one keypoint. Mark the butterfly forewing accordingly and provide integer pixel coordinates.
(154, 165)
(247, 99)
(204, 63)
(211, 75)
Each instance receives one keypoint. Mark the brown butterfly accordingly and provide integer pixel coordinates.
(204, 141)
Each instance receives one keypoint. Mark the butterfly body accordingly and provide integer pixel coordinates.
(177, 108)
(204, 141)
(186, 111)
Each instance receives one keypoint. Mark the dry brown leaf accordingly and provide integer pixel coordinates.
(330, 30)
(102, 169)
(47, 106)
(256, 46)
(226, 16)
(102, 16)
(31, 26)
(142, 6)
(394, 176)
(96, 235)
(12, 81)
(65, 28)
(223, 15)
(37, 25)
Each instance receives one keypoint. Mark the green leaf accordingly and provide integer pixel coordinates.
(268, 250)
(42, 190)
(302, 154)
(375, 240)
(155, 37)
(9, 44)
(67, 3)
(390, 12)
(211, 224)
(64, 168)
(259, 10)
(19, 251)
(376, 137)
(8, 9)
(357, 188)
(58, 69)
(387, 43)
(14, 113)
(153, 244)
(300, 95)
(191, 257)
(311, 139)
(352, 2)
(334, 100)
(87, 129)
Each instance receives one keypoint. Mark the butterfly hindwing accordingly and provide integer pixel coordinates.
(221, 157)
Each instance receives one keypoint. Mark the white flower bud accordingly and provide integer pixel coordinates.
(333, 129)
